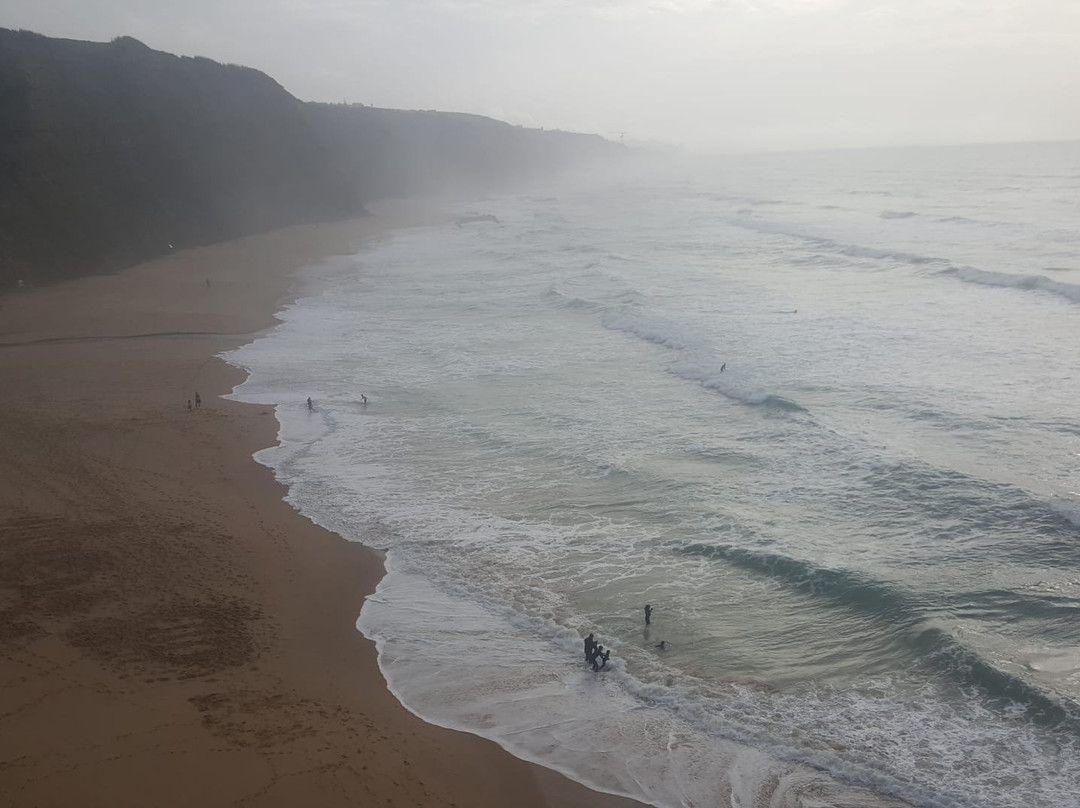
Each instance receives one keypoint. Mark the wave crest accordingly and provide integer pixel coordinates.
(1070, 291)
(906, 615)
(1067, 510)
(734, 387)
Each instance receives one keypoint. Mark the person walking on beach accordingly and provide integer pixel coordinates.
(310, 406)
(198, 400)
(648, 614)
(189, 405)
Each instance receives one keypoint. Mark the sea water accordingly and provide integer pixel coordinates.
(819, 410)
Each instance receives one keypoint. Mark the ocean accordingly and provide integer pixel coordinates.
(819, 410)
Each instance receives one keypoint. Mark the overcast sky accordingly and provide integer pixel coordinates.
(712, 75)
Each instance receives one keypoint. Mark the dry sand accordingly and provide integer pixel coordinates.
(171, 632)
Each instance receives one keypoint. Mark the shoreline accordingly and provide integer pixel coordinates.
(171, 630)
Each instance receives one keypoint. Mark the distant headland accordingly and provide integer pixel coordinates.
(114, 153)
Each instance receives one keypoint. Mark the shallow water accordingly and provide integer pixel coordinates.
(818, 410)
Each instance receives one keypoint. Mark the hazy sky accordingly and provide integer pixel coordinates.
(711, 75)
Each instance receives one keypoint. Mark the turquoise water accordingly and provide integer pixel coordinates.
(818, 410)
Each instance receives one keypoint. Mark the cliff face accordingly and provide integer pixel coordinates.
(112, 152)
(389, 152)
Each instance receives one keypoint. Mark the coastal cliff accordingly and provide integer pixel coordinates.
(114, 153)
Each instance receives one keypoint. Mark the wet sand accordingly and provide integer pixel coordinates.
(171, 632)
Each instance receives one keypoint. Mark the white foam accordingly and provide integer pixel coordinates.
(486, 504)
(537, 698)
(1070, 291)
(1068, 509)
(522, 682)
(458, 656)
(731, 384)
(650, 329)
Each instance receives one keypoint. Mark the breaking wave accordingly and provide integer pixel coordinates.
(905, 615)
(1040, 283)
(1067, 510)
(839, 247)
(734, 386)
(700, 364)
(968, 274)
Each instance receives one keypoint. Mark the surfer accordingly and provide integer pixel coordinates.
(310, 406)
(662, 645)
(589, 642)
(648, 614)
(363, 399)
(480, 217)
(722, 367)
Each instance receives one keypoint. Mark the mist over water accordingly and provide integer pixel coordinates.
(818, 410)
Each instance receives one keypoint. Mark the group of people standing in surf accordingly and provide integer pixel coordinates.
(595, 654)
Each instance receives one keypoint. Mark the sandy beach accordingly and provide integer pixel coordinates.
(171, 632)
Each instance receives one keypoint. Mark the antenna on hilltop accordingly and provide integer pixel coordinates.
(621, 136)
